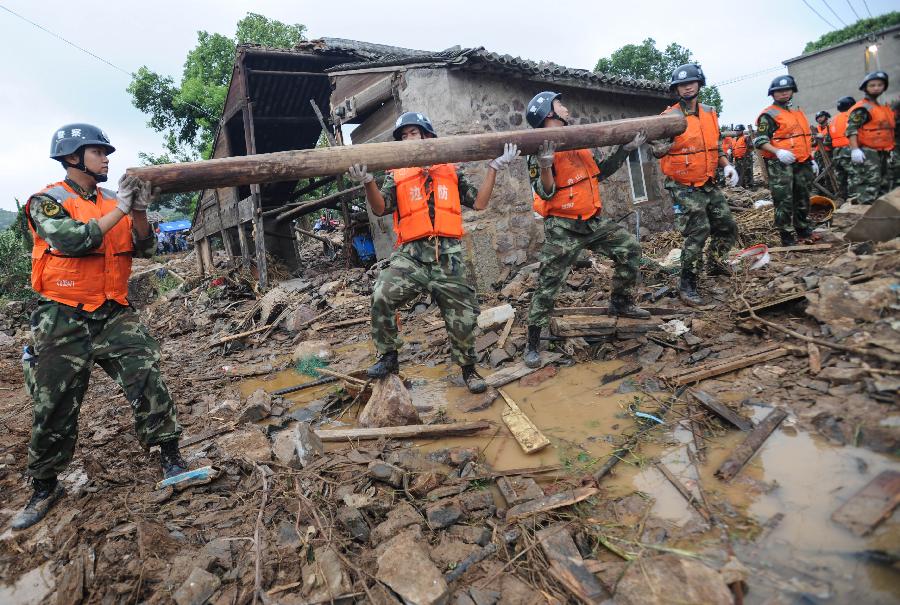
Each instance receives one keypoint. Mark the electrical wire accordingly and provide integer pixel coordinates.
(747, 76)
(837, 16)
(854, 10)
(866, 4)
(810, 7)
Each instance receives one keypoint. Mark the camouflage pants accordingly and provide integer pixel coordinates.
(445, 279)
(790, 185)
(841, 159)
(564, 239)
(895, 169)
(744, 166)
(870, 179)
(58, 366)
(702, 213)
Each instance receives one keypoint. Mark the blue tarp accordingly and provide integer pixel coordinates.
(175, 226)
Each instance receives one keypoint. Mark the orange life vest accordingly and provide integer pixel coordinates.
(727, 144)
(411, 219)
(791, 132)
(838, 129)
(694, 155)
(83, 281)
(577, 190)
(878, 131)
(823, 131)
(740, 147)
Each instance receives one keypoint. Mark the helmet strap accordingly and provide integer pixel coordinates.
(100, 178)
(556, 116)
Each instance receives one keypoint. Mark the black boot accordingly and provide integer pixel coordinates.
(387, 364)
(687, 289)
(46, 493)
(787, 238)
(623, 306)
(532, 357)
(714, 266)
(170, 459)
(473, 380)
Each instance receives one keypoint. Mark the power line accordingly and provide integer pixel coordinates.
(854, 10)
(828, 6)
(748, 76)
(866, 4)
(810, 7)
(96, 56)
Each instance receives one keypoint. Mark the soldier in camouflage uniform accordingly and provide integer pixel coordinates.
(895, 153)
(840, 156)
(743, 157)
(871, 132)
(785, 141)
(426, 204)
(689, 162)
(84, 239)
(567, 195)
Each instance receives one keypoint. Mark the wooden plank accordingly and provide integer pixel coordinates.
(194, 439)
(343, 323)
(685, 492)
(548, 503)
(801, 248)
(709, 371)
(505, 334)
(621, 372)
(871, 505)
(594, 311)
(721, 410)
(416, 431)
(674, 373)
(528, 436)
(514, 372)
(567, 566)
(745, 451)
(582, 325)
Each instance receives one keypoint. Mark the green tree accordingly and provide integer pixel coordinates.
(855, 30)
(647, 62)
(187, 113)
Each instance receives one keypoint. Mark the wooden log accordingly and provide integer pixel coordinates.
(240, 335)
(594, 311)
(567, 566)
(514, 372)
(547, 503)
(745, 451)
(292, 165)
(575, 325)
(871, 505)
(722, 411)
(717, 368)
(334, 199)
(418, 431)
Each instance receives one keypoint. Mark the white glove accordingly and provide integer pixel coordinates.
(358, 173)
(639, 139)
(146, 195)
(510, 152)
(129, 189)
(857, 156)
(732, 175)
(785, 156)
(545, 154)
(815, 167)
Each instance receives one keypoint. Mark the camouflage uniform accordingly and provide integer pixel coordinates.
(66, 343)
(701, 212)
(873, 177)
(565, 238)
(789, 185)
(840, 158)
(433, 265)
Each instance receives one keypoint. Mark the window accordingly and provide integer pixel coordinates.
(636, 176)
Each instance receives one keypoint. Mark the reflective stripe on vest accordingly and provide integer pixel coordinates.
(878, 131)
(694, 156)
(90, 280)
(791, 132)
(414, 187)
(838, 129)
(577, 190)
(740, 147)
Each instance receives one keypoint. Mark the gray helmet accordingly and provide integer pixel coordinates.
(72, 137)
(845, 103)
(689, 72)
(783, 83)
(739, 128)
(540, 107)
(412, 118)
(822, 113)
(875, 75)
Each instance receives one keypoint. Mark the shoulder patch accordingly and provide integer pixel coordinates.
(51, 208)
(533, 171)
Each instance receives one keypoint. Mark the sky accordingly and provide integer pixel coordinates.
(47, 83)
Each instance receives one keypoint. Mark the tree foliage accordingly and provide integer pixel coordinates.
(647, 62)
(855, 30)
(187, 113)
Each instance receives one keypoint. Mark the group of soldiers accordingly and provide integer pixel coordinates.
(85, 237)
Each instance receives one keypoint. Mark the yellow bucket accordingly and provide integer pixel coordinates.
(821, 208)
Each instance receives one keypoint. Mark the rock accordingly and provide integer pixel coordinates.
(426, 482)
(443, 513)
(836, 375)
(701, 328)
(399, 518)
(197, 589)
(470, 534)
(477, 500)
(653, 580)
(449, 552)
(352, 520)
(319, 349)
(30, 588)
(220, 550)
(536, 378)
(14, 307)
(483, 596)
(514, 591)
(249, 443)
(6, 339)
(227, 407)
(407, 570)
(836, 299)
(257, 407)
(516, 490)
(650, 352)
(477, 402)
(388, 473)
(462, 455)
(297, 447)
(494, 316)
(389, 405)
(298, 318)
(486, 340)
(324, 578)
(700, 355)
(498, 356)
(329, 287)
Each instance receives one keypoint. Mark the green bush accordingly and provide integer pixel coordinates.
(854, 30)
(15, 267)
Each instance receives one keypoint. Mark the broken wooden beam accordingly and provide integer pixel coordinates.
(548, 503)
(527, 435)
(343, 323)
(329, 200)
(285, 166)
(718, 367)
(567, 565)
(871, 505)
(801, 248)
(621, 372)
(685, 492)
(519, 370)
(721, 410)
(595, 311)
(745, 451)
(416, 431)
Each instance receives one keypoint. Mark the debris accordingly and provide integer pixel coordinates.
(675, 327)
(622, 371)
(722, 411)
(742, 453)
(319, 349)
(388, 473)
(505, 334)
(723, 366)
(324, 578)
(477, 402)
(416, 431)
(495, 315)
(257, 407)
(181, 481)
(249, 443)
(871, 505)
(389, 405)
(343, 324)
(567, 566)
(815, 358)
(443, 513)
(686, 494)
(516, 371)
(470, 534)
(31, 588)
(656, 580)
(801, 248)
(498, 356)
(405, 567)
(837, 375)
(239, 335)
(528, 436)
(880, 223)
(466, 563)
(516, 490)
(355, 523)
(297, 447)
(486, 340)
(546, 503)
(545, 373)
(197, 589)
